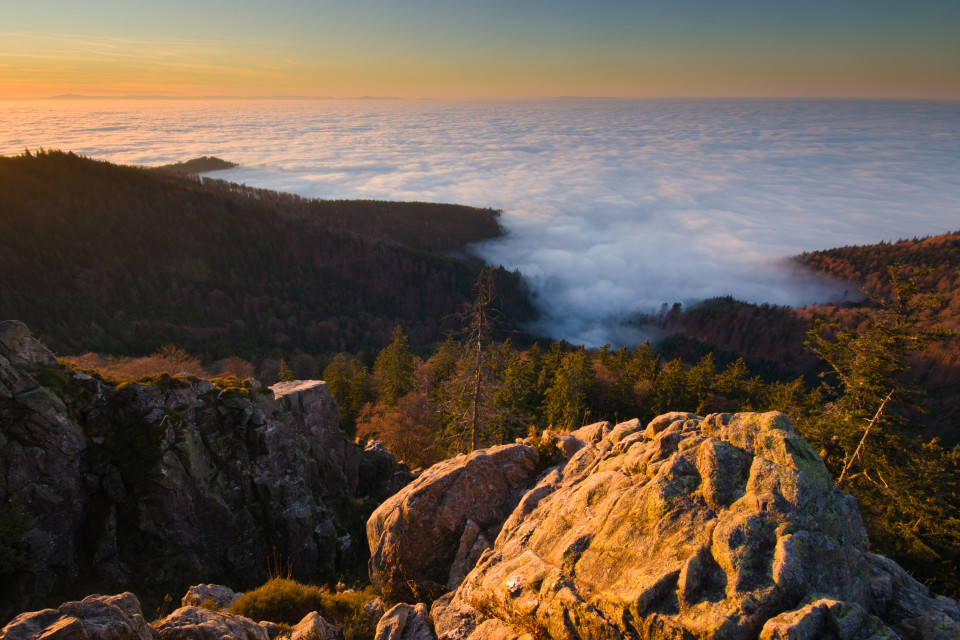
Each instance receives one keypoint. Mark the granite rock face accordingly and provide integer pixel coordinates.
(150, 486)
(19, 347)
(726, 527)
(417, 535)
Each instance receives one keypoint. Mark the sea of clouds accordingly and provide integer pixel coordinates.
(612, 207)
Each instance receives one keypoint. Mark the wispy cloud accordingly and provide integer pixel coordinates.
(168, 60)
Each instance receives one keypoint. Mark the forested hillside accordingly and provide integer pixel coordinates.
(771, 339)
(124, 260)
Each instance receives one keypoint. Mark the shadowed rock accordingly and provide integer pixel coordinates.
(149, 485)
(93, 618)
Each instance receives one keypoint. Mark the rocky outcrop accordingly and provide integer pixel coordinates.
(151, 486)
(314, 627)
(119, 618)
(21, 348)
(207, 595)
(43, 487)
(825, 618)
(416, 536)
(405, 622)
(726, 526)
(196, 623)
(100, 617)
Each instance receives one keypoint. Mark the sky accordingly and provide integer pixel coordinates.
(482, 49)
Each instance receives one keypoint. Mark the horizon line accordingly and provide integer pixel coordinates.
(160, 97)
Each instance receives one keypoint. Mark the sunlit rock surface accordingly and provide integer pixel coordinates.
(195, 623)
(725, 526)
(417, 536)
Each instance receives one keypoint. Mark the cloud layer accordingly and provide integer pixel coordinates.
(612, 207)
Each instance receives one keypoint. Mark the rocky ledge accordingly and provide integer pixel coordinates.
(119, 618)
(153, 486)
(723, 527)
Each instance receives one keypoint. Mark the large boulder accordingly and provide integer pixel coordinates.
(718, 527)
(195, 623)
(19, 347)
(405, 622)
(204, 595)
(93, 618)
(416, 536)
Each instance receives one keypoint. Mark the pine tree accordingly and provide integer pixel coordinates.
(393, 370)
(469, 394)
(286, 373)
(867, 360)
(349, 383)
(907, 486)
(566, 398)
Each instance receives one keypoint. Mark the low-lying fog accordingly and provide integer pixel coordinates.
(611, 206)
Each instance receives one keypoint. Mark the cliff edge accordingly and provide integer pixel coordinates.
(153, 486)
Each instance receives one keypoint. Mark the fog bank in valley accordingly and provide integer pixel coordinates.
(611, 207)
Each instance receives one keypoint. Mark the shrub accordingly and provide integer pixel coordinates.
(286, 601)
(210, 605)
(346, 611)
(50, 377)
(279, 600)
(546, 445)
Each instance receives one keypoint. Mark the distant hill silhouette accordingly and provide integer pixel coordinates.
(196, 166)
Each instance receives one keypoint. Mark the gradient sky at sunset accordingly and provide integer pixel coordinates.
(482, 48)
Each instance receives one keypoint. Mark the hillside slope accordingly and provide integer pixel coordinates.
(772, 338)
(118, 259)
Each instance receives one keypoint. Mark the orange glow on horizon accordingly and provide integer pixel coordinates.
(46, 65)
